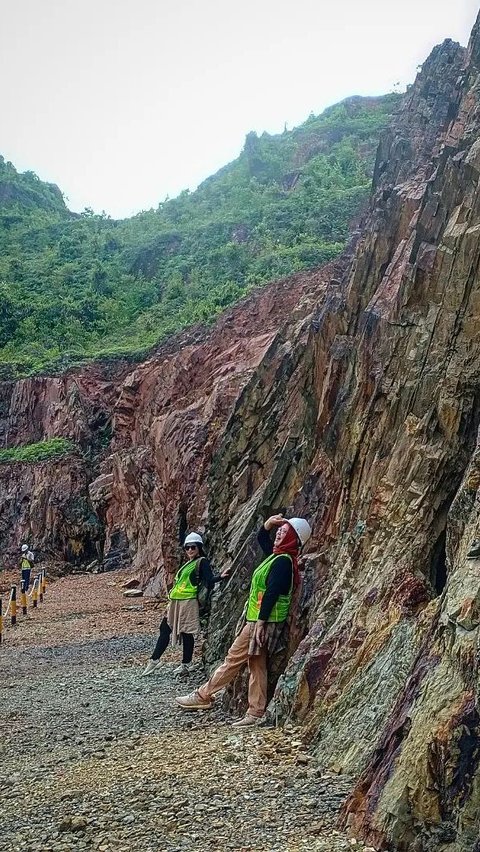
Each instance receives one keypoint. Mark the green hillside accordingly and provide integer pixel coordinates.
(76, 286)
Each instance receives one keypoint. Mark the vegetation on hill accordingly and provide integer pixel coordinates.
(75, 286)
(53, 448)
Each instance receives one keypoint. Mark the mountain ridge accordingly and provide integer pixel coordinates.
(77, 286)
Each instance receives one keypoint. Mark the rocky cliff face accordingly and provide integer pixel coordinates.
(350, 395)
(381, 451)
(145, 435)
(386, 678)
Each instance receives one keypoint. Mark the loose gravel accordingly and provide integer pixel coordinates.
(95, 757)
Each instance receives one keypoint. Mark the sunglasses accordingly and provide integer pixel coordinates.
(191, 547)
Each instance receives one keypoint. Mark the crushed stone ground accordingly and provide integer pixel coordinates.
(95, 757)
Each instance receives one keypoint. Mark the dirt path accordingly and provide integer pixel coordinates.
(92, 756)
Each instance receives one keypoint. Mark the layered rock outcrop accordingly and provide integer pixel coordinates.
(386, 677)
(145, 435)
(350, 395)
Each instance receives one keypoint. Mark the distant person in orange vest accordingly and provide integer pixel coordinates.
(26, 564)
(261, 628)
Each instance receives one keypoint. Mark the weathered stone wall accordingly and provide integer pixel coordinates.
(386, 468)
(48, 503)
(146, 436)
(387, 676)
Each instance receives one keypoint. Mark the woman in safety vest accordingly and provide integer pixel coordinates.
(26, 565)
(182, 619)
(265, 614)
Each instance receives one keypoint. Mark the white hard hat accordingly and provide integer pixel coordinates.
(193, 538)
(301, 527)
(24, 548)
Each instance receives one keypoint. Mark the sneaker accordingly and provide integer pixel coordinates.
(474, 552)
(248, 721)
(183, 670)
(193, 701)
(150, 667)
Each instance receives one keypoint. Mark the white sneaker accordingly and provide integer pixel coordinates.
(192, 701)
(183, 670)
(150, 667)
(248, 721)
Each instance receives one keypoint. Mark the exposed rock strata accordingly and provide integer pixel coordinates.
(386, 679)
(146, 436)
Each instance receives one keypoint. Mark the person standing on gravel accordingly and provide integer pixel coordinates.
(182, 619)
(261, 626)
(26, 564)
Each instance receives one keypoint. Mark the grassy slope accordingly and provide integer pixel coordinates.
(54, 448)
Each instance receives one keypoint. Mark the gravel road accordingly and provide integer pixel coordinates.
(95, 757)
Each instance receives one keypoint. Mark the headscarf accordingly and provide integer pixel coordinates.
(290, 546)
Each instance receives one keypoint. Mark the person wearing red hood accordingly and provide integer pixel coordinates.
(263, 620)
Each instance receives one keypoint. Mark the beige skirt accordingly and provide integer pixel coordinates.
(183, 617)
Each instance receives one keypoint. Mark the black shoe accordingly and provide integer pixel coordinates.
(474, 552)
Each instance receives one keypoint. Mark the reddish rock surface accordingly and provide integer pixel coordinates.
(382, 406)
(145, 436)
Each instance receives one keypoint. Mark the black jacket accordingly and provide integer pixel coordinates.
(279, 580)
(205, 575)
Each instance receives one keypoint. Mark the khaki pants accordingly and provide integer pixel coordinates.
(236, 658)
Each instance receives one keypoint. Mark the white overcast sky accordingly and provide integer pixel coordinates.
(121, 102)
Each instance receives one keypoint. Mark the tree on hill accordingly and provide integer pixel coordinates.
(79, 286)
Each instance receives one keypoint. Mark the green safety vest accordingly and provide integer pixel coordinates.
(257, 591)
(183, 589)
(26, 563)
